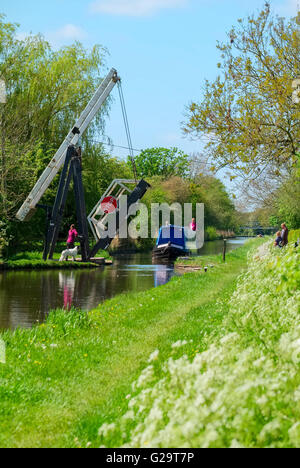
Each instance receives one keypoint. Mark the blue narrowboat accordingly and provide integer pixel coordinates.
(170, 244)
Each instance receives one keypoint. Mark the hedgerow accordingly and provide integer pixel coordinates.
(244, 390)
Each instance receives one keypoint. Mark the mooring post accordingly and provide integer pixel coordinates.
(224, 250)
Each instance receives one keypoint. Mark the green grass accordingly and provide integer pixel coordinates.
(201, 261)
(242, 389)
(34, 260)
(294, 235)
(64, 379)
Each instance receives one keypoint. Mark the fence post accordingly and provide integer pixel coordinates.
(224, 250)
(2, 352)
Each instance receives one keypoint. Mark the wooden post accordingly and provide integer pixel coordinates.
(224, 250)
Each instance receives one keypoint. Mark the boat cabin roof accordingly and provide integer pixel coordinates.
(173, 234)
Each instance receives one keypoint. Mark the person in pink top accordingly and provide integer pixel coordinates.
(71, 238)
(193, 225)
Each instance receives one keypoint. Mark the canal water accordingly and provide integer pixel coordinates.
(26, 297)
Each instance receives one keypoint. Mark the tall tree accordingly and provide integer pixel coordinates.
(247, 114)
(46, 90)
(165, 162)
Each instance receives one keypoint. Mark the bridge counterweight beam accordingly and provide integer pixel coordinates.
(59, 204)
(81, 209)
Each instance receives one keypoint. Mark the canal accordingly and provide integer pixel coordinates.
(26, 297)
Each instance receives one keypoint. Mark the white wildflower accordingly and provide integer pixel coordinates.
(106, 429)
(154, 356)
(179, 344)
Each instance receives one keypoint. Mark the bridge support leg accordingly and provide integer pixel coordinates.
(58, 210)
(72, 168)
(81, 209)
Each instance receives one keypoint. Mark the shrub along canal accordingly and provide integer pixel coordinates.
(26, 297)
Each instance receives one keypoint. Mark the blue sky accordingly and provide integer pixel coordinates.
(162, 49)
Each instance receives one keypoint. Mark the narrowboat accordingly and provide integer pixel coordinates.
(170, 244)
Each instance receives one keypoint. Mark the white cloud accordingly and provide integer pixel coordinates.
(68, 32)
(286, 7)
(134, 7)
(21, 36)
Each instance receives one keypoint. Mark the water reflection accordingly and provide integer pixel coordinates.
(163, 274)
(26, 297)
(67, 284)
(216, 247)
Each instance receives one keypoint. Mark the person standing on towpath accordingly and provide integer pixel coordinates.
(71, 237)
(284, 234)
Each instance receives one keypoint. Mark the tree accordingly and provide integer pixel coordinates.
(247, 115)
(46, 91)
(99, 170)
(284, 204)
(165, 162)
(219, 208)
(220, 211)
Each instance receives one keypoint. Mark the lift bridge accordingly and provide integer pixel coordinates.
(69, 158)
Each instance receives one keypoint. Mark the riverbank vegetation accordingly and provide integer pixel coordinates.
(294, 235)
(220, 216)
(64, 379)
(34, 260)
(28, 260)
(241, 389)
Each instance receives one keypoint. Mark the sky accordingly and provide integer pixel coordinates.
(162, 49)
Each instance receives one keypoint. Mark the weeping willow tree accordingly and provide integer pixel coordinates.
(46, 90)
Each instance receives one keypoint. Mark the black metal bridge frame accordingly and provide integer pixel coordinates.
(72, 169)
(136, 195)
(54, 215)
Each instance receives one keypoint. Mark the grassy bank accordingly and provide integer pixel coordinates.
(294, 235)
(34, 261)
(243, 389)
(63, 380)
(201, 261)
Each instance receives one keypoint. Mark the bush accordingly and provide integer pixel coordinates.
(211, 233)
(294, 235)
(5, 238)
